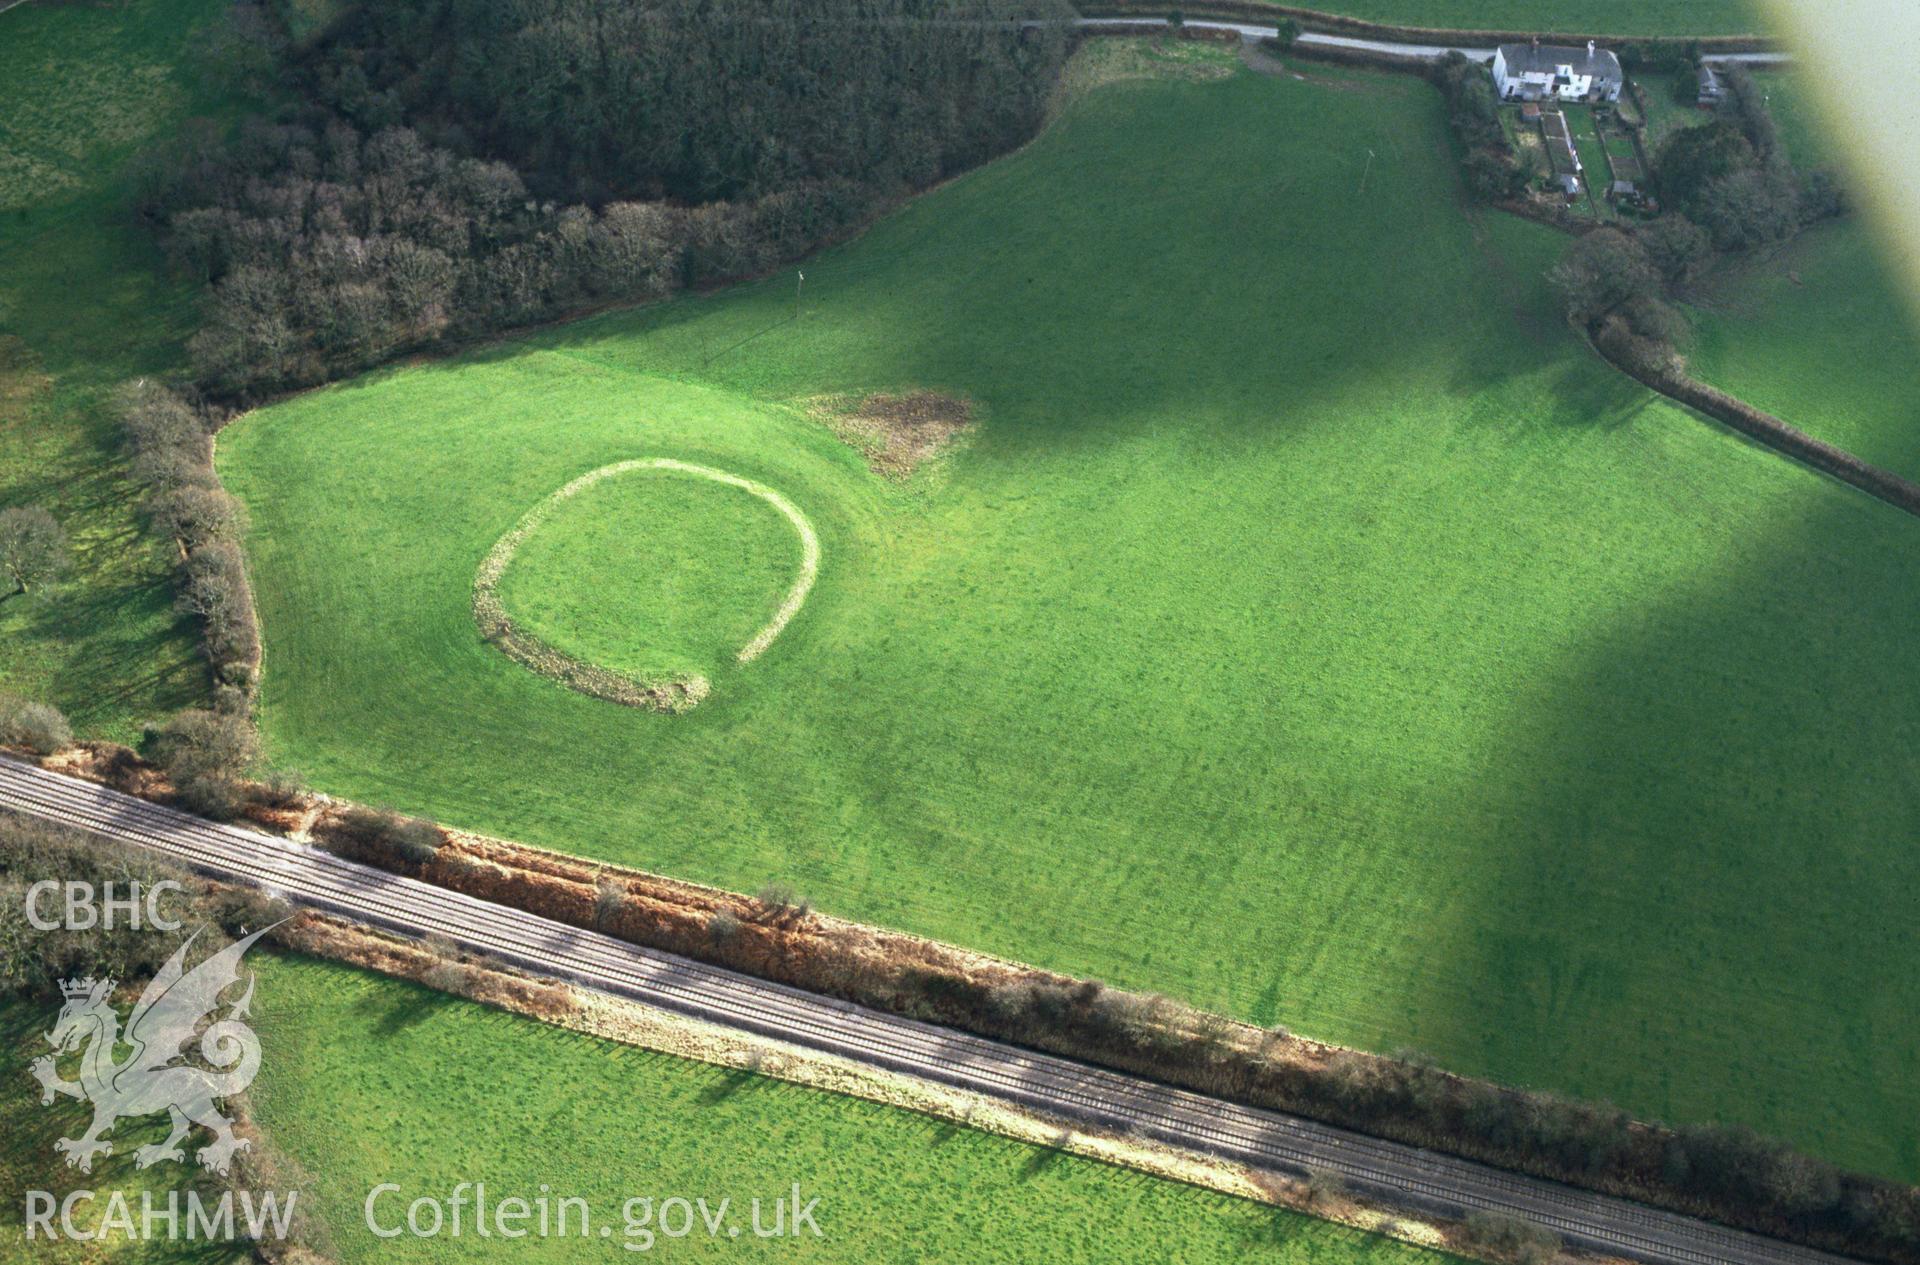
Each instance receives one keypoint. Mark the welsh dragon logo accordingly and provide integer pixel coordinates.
(154, 1077)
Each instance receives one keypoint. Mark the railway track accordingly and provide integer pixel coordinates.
(1076, 1092)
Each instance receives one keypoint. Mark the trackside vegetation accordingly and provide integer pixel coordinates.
(1728, 1173)
(602, 1121)
(33, 965)
(1320, 636)
(401, 1085)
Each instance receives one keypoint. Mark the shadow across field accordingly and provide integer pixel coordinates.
(1092, 328)
(1743, 842)
(1301, 635)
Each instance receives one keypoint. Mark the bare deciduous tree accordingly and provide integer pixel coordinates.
(33, 549)
(609, 898)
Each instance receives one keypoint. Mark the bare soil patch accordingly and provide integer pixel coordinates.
(896, 433)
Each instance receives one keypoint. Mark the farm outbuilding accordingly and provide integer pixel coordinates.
(1536, 71)
(1711, 89)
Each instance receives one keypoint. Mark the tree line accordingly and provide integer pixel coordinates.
(170, 437)
(454, 167)
(33, 962)
(1473, 116)
(1733, 176)
(1729, 187)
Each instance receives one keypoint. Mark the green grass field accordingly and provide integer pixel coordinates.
(1805, 134)
(366, 1080)
(1605, 17)
(1817, 334)
(653, 574)
(1314, 629)
(83, 306)
(28, 1161)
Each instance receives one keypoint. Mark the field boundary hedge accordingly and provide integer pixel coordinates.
(1361, 28)
(1341, 55)
(1765, 428)
(1554, 217)
(1147, 27)
(171, 438)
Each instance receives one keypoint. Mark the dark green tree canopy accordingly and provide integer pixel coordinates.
(1601, 272)
(460, 166)
(1694, 157)
(688, 100)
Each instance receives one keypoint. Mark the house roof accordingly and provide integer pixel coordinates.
(1545, 59)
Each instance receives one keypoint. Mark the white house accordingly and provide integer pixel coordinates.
(1530, 72)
